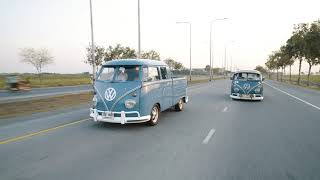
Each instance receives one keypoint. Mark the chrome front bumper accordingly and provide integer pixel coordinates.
(123, 119)
(254, 96)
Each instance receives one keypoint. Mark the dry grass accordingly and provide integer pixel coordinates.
(15, 109)
(313, 78)
(200, 79)
(52, 80)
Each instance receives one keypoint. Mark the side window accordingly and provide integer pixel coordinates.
(150, 74)
(164, 74)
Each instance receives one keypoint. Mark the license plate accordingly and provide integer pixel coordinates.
(108, 114)
(246, 96)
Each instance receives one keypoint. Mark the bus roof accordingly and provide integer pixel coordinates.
(248, 71)
(139, 62)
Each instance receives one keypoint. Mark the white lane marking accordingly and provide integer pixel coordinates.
(225, 109)
(208, 137)
(293, 96)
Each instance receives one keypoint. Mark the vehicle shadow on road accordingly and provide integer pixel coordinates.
(133, 126)
(246, 101)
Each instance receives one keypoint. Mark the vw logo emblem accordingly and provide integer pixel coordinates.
(246, 86)
(110, 94)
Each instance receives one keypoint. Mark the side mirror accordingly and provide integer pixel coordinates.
(263, 79)
(91, 77)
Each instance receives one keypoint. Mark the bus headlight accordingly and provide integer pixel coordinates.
(257, 90)
(94, 101)
(130, 103)
(236, 90)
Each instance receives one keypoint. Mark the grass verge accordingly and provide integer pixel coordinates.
(51, 80)
(296, 84)
(201, 80)
(15, 109)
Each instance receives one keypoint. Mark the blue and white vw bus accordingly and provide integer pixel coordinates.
(247, 84)
(134, 91)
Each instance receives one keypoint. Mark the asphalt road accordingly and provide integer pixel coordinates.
(213, 138)
(37, 93)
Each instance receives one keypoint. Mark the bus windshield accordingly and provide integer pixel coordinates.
(247, 76)
(119, 73)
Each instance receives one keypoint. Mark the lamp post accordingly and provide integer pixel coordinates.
(189, 43)
(92, 46)
(211, 56)
(225, 57)
(139, 35)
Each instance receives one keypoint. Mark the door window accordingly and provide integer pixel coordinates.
(150, 74)
(164, 73)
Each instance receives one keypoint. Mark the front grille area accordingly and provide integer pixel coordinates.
(127, 115)
(119, 114)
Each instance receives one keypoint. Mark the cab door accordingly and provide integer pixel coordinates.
(166, 87)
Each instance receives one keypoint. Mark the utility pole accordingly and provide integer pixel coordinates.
(211, 56)
(139, 35)
(189, 44)
(92, 46)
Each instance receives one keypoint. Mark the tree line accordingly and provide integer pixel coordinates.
(39, 58)
(303, 45)
(118, 51)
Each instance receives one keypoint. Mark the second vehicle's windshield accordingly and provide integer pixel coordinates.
(119, 73)
(247, 76)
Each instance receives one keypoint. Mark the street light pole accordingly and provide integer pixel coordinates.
(189, 45)
(211, 56)
(92, 46)
(190, 51)
(225, 57)
(210, 69)
(139, 36)
(225, 60)
(230, 63)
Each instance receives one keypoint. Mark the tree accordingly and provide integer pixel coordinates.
(261, 69)
(207, 68)
(296, 44)
(272, 63)
(170, 62)
(215, 70)
(284, 59)
(38, 58)
(173, 65)
(119, 52)
(150, 55)
(99, 56)
(269, 65)
(178, 66)
(312, 46)
(289, 58)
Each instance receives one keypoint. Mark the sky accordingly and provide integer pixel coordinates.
(253, 30)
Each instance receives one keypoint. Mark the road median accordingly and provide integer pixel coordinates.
(16, 109)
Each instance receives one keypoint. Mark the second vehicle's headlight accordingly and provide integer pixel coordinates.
(257, 90)
(94, 101)
(130, 103)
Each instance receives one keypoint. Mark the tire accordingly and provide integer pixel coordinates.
(155, 114)
(179, 106)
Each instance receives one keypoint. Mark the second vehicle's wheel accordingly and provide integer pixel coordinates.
(179, 106)
(155, 113)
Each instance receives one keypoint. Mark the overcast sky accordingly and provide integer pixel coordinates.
(63, 26)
